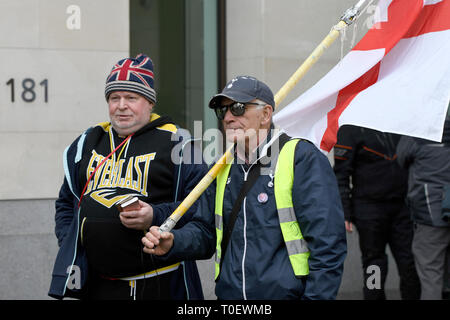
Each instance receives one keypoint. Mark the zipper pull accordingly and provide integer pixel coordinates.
(270, 184)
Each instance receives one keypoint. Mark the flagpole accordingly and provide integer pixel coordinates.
(347, 19)
(349, 16)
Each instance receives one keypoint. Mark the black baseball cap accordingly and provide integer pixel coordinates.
(244, 89)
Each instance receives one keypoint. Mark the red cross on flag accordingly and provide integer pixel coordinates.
(396, 79)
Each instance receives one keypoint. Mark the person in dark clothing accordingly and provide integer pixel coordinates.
(428, 163)
(100, 254)
(373, 189)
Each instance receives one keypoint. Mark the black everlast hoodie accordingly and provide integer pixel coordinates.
(141, 167)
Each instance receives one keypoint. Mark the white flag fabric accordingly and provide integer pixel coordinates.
(396, 79)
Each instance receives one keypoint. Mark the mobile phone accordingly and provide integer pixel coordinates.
(130, 203)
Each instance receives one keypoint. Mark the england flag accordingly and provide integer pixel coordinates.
(396, 79)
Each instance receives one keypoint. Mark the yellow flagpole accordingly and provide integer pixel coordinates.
(349, 16)
(197, 191)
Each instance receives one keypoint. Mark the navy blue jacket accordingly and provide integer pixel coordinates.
(256, 263)
(71, 257)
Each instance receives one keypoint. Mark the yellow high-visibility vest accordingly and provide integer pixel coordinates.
(296, 246)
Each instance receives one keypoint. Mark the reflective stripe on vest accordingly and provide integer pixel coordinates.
(296, 246)
(284, 178)
(222, 178)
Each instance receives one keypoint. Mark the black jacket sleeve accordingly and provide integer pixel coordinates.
(344, 157)
(64, 207)
(66, 203)
(187, 174)
(405, 150)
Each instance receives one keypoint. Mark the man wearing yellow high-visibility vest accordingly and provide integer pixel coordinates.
(273, 217)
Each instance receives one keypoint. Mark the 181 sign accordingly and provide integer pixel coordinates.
(28, 92)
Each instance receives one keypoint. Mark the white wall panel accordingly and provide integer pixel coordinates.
(53, 67)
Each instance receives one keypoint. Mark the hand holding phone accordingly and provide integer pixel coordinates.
(135, 214)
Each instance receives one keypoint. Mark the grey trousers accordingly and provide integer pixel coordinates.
(429, 248)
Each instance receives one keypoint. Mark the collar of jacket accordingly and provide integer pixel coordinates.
(262, 153)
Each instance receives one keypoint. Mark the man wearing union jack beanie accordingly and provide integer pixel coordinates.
(100, 254)
(135, 75)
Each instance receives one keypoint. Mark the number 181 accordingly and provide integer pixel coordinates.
(28, 93)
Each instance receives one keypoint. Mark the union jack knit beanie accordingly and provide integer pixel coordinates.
(135, 75)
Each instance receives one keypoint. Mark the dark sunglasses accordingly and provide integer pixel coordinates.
(236, 108)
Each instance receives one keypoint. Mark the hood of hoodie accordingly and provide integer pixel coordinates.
(160, 122)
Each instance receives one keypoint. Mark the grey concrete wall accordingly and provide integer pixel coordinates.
(73, 44)
(27, 248)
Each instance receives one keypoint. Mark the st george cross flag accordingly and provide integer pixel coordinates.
(396, 79)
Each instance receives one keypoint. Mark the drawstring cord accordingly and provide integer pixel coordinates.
(133, 289)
